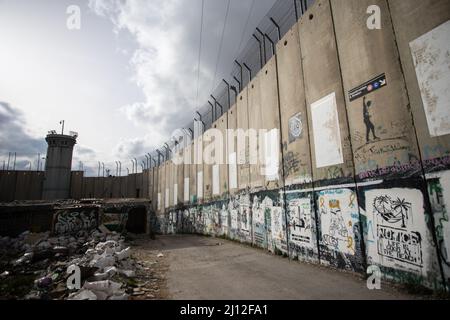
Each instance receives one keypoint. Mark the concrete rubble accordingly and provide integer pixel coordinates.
(36, 266)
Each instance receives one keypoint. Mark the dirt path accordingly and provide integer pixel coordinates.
(200, 268)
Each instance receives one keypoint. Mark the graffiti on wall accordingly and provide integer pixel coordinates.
(396, 229)
(240, 214)
(295, 171)
(69, 222)
(172, 222)
(223, 215)
(439, 192)
(259, 222)
(300, 222)
(295, 127)
(277, 229)
(301, 227)
(338, 212)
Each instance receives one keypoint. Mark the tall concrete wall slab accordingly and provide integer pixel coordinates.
(139, 186)
(115, 188)
(231, 152)
(8, 185)
(255, 111)
(22, 187)
(207, 168)
(144, 191)
(89, 188)
(37, 181)
(99, 186)
(160, 195)
(325, 97)
(155, 188)
(108, 189)
(166, 187)
(270, 121)
(193, 175)
(412, 19)
(242, 149)
(171, 176)
(76, 185)
(220, 170)
(162, 188)
(179, 180)
(294, 114)
(198, 156)
(187, 186)
(383, 137)
(152, 185)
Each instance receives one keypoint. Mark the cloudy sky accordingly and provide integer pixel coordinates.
(124, 81)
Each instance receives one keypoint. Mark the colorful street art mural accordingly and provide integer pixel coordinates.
(327, 227)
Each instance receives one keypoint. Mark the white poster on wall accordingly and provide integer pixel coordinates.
(200, 184)
(326, 131)
(216, 180)
(186, 189)
(175, 194)
(431, 54)
(233, 170)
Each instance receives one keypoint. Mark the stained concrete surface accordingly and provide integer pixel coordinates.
(215, 269)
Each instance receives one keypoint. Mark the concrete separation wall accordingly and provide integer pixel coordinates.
(352, 191)
(364, 159)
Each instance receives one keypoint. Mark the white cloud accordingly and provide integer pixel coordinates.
(159, 64)
(165, 63)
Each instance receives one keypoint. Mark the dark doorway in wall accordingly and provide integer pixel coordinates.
(138, 193)
(137, 220)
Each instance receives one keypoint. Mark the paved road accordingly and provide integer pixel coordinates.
(200, 269)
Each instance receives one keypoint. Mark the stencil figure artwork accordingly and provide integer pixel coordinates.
(370, 127)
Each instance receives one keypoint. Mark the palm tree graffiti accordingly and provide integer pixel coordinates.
(402, 206)
(392, 211)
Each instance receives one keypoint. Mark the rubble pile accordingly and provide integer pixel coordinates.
(38, 266)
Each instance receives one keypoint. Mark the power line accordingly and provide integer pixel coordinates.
(221, 44)
(199, 54)
(245, 28)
